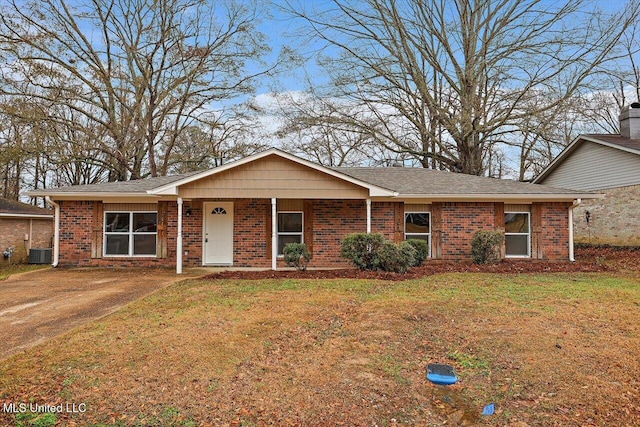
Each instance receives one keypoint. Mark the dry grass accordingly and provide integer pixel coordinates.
(10, 270)
(547, 349)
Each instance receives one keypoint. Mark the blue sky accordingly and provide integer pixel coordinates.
(280, 29)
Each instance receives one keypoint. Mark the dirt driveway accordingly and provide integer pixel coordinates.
(39, 305)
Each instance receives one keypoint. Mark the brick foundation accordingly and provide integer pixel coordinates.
(329, 221)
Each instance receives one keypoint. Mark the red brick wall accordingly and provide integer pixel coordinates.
(76, 223)
(191, 233)
(251, 220)
(459, 222)
(383, 219)
(331, 221)
(12, 232)
(555, 231)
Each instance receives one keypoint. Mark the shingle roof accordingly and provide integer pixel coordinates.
(417, 181)
(13, 207)
(404, 181)
(135, 186)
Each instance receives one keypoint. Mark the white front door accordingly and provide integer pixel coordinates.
(218, 233)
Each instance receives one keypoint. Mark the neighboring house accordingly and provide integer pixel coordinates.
(23, 227)
(243, 213)
(608, 164)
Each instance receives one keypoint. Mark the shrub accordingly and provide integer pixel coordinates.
(362, 249)
(422, 250)
(296, 255)
(396, 258)
(485, 246)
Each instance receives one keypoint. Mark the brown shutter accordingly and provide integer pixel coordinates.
(436, 230)
(96, 230)
(536, 231)
(308, 225)
(498, 223)
(161, 245)
(398, 209)
(267, 222)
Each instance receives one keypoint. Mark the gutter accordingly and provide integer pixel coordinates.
(25, 215)
(56, 231)
(576, 203)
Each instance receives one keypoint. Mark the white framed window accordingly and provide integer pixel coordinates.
(130, 233)
(417, 225)
(517, 235)
(289, 229)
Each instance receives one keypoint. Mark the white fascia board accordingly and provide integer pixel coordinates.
(510, 198)
(90, 195)
(172, 189)
(18, 215)
(612, 145)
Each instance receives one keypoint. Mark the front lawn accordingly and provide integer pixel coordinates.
(546, 349)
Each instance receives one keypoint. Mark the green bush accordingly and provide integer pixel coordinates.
(485, 246)
(422, 250)
(362, 249)
(296, 255)
(396, 258)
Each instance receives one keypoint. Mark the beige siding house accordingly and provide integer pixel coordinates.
(608, 164)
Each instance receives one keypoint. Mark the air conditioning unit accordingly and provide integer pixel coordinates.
(40, 256)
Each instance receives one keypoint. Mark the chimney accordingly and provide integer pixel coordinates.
(630, 121)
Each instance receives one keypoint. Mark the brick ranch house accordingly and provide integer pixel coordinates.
(243, 213)
(23, 227)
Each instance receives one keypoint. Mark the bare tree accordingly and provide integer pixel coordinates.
(319, 129)
(442, 80)
(135, 74)
(617, 85)
(203, 147)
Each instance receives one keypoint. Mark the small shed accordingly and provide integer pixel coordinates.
(23, 227)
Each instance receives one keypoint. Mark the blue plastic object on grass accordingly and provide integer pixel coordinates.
(488, 410)
(441, 374)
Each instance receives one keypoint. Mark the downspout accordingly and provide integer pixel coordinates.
(56, 231)
(274, 234)
(576, 203)
(179, 239)
(368, 216)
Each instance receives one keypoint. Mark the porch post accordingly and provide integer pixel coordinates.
(179, 239)
(368, 216)
(274, 234)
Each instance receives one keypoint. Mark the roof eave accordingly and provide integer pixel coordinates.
(491, 197)
(90, 195)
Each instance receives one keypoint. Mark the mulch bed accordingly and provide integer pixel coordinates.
(588, 259)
